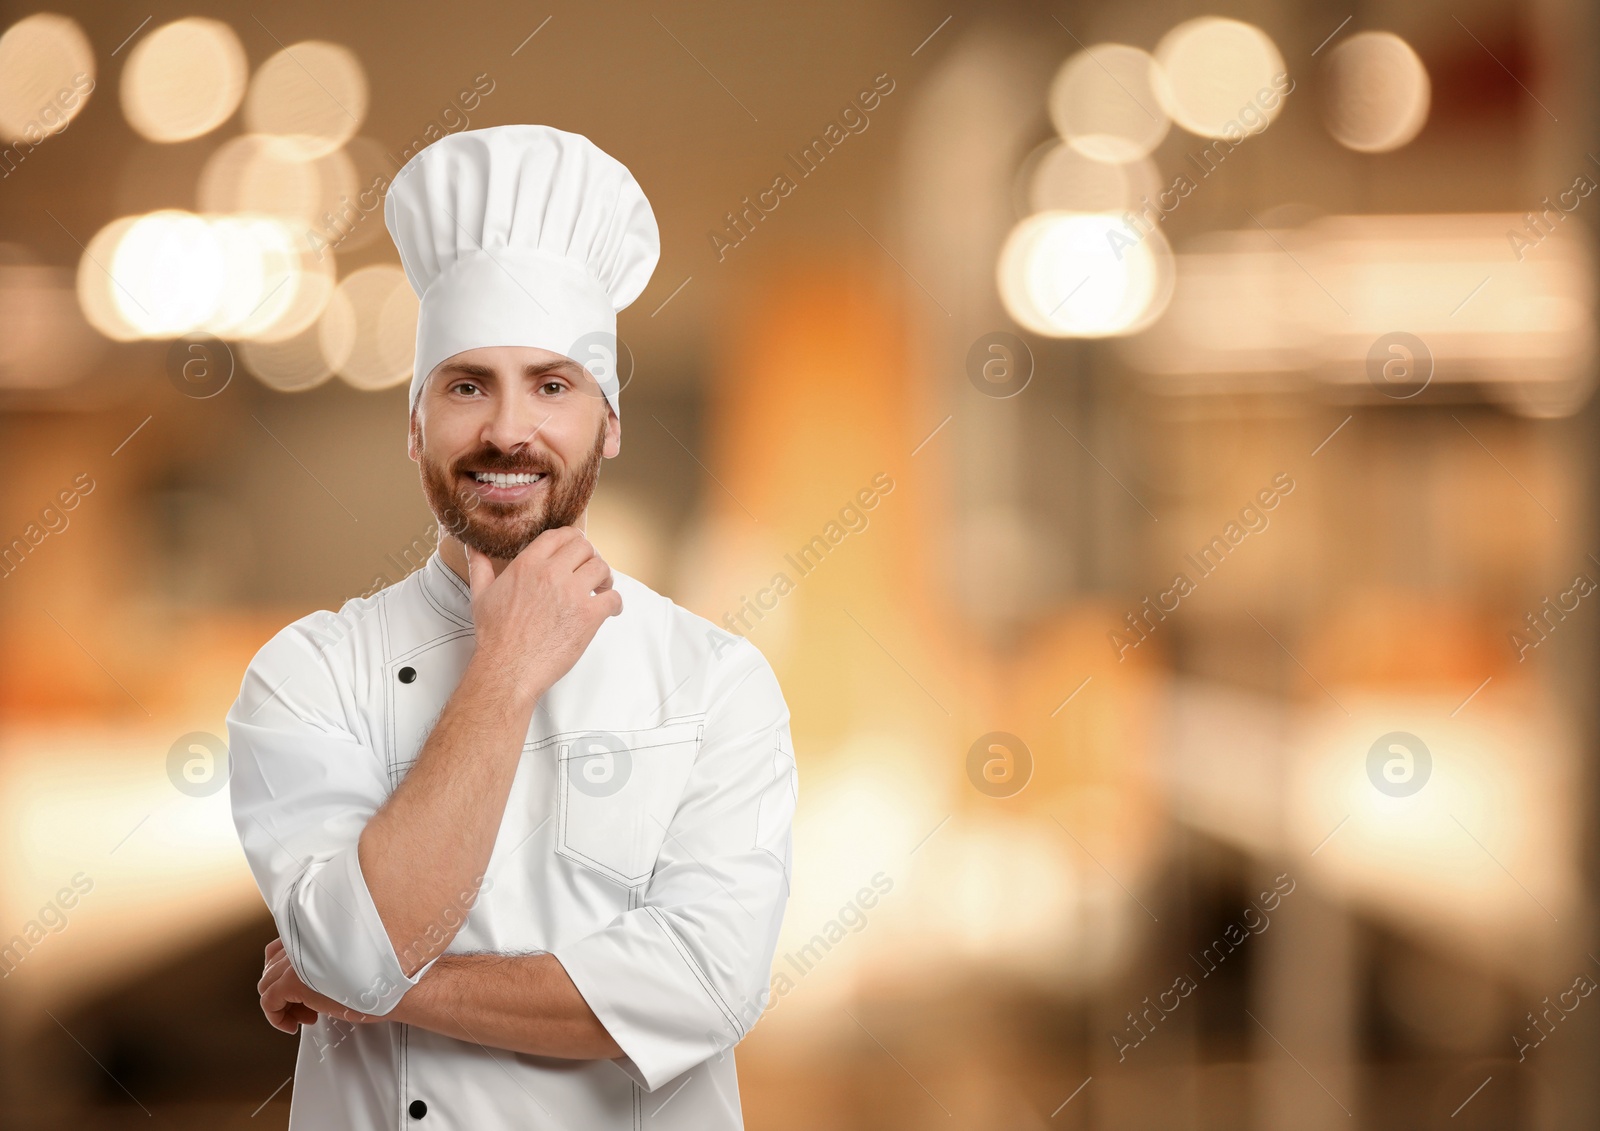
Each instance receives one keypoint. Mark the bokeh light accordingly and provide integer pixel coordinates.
(1060, 178)
(1379, 92)
(369, 331)
(261, 275)
(183, 79)
(314, 280)
(290, 365)
(1103, 103)
(170, 271)
(97, 287)
(46, 75)
(275, 175)
(1217, 77)
(1084, 275)
(314, 92)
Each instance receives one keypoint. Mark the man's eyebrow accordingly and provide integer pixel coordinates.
(486, 373)
(468, 369)
(565, 365)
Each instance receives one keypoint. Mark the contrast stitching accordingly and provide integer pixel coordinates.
(696, 969)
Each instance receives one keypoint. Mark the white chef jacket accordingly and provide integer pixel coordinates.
(645, 843)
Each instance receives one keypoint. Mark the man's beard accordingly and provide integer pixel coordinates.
(502, 530)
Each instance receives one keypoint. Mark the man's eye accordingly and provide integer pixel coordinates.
(467, 385)
(556, 385)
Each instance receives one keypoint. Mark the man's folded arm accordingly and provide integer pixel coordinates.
(303, 787)
(684, 977)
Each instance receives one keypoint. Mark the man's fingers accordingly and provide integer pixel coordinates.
(572, 554)
(594, 575)
(290, 1016)
(274, 947)
(273, 971)
(268, 976)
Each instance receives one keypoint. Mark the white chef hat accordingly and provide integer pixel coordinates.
(521, 236)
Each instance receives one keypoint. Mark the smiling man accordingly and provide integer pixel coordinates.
(523, 823)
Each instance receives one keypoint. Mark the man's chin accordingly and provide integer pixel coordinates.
(501, 543)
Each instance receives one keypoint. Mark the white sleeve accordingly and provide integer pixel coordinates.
(685, 976)
(303, 786)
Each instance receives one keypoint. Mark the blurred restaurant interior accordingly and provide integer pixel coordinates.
(1212, 649)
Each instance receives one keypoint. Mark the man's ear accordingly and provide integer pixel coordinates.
(413, 434)
(613, 434)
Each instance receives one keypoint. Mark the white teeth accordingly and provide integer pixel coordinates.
(503, 479)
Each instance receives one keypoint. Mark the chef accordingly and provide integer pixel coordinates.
(523, 823)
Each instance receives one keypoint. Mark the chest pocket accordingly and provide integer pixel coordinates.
(617, 793)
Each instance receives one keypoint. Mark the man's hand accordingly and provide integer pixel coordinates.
(288, 1002)
(536, 619)
(431, 840)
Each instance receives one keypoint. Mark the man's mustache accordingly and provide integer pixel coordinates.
(493, 459)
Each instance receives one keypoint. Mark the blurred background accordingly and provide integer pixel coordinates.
(1146, 438)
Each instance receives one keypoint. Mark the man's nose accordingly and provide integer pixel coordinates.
(516, 423)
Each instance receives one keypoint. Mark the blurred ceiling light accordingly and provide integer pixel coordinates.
(44, 342)
(1103, 103)
(1083, 275)
(1487, 848)
(290, 365)
(184, 79)
(97, 288)
(261, 275)
(275, 175)
(46, 74)
(314, 92)
(1216, 77)
(314, 281)
(1316, 300)
(170, 272)
(1379, 92)
(1060, 178)
(369, 331)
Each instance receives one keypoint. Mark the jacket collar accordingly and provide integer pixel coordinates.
(447, 591)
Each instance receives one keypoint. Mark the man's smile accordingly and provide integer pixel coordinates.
(505, 486)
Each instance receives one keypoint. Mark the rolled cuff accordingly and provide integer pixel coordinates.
(651, 996)
(336, 938)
